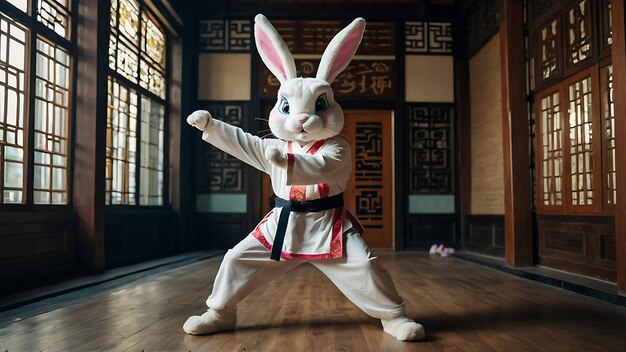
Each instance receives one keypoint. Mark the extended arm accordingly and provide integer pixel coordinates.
(233, 140)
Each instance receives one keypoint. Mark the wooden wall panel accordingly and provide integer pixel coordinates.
(221, 231)
(485, 234)
(140, 235)
(487, 174)
(35, 248)
(426, 230)
(583, 245)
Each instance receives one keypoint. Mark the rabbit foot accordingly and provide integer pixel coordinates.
(210, 322)
(403, 328)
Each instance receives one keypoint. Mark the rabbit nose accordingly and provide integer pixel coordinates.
(302, 118)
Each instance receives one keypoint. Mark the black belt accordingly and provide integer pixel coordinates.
(288, 206)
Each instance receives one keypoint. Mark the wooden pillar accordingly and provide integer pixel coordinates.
(464, 149)
(517, 191)
(618, 53)
(90, 132)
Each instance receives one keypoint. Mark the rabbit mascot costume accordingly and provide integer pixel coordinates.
(309, 165)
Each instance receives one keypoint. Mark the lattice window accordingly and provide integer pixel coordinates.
(608, 111)
(124, 39)
(121, 149)
(152, 63)
(13, 56)
(549, 47)
(55, 15)
(431, 132)
(580, 142)
(20, 4)
(35, 101)
(551, 151)
(579, 35)
(51, 130)
(151, 168)
(135, 172)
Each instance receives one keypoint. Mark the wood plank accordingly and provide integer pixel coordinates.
(464, 307)
(517, 190)
(619, 85)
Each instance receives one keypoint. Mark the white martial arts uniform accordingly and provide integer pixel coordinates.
(328, 239)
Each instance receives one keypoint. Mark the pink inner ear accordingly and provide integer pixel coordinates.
(266, 47)
(346, 51)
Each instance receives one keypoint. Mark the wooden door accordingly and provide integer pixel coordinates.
(369, 193)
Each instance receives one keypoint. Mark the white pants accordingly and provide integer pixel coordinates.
(358, 276)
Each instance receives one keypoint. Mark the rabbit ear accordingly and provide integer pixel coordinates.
(340, 50)
(273, 50)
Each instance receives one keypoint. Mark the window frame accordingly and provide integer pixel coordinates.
(35, 29)
(141, 93)
(598, 144)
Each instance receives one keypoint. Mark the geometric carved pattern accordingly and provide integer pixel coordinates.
(225, 35)
(549, 49)
(431, 135)
(579, 44)
(368, 180)
(428, 37)
(222, 172)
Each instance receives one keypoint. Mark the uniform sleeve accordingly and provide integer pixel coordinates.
(331, 164)
(243, 146)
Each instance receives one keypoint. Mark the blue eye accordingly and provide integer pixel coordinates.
(283, 107)
(321, 103)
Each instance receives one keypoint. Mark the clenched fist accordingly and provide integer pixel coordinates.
(200, 119)
(276, 157)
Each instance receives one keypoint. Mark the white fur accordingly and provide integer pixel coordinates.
(312, 115)
(403, 328)
(210, 322)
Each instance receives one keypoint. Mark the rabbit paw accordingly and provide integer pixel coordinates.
(199, 119)
(404, 328)
(276, 157)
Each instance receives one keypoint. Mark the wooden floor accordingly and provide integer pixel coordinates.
(464, 307)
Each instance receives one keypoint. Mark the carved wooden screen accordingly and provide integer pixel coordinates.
(431, 136)
(549, 46)
(579, 45)
(225, 35)
(369, 191)
(221, 172)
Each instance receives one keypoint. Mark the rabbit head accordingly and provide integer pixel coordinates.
(306, 109)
